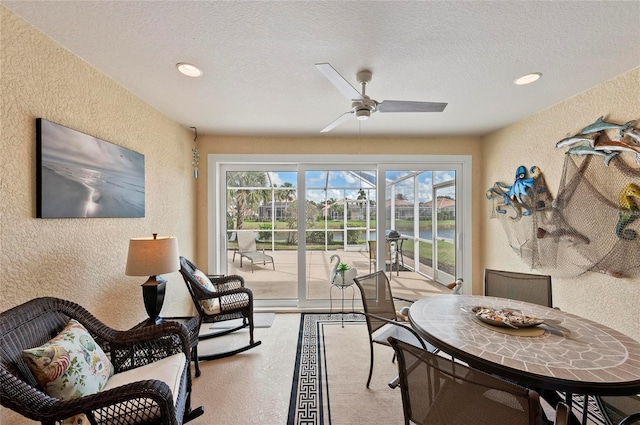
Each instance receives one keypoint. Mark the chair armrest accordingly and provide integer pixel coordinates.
(404, 299)
(228, 282)
(152, 389)
(36, 405)
(631, 419)
(562, 414)
(145, 345)
(393, 322)
(203, 294)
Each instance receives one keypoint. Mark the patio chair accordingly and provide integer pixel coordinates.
(60, 363)
(438, 391)
(532, 288)
(390, 256)
(218, 299)
(380, 312)
(247, 249)
(620, 410)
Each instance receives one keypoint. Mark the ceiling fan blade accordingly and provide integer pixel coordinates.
(342, 118)
(339, 82)
(408, 106)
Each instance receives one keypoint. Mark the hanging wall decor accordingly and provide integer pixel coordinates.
(593, 224)
(81, 176)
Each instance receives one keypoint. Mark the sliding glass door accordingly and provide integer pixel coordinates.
(261, 201)
(346, 209)
(312, 212)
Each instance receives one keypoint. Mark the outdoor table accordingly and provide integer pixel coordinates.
(572, 354)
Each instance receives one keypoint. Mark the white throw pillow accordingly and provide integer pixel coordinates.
(211, 305)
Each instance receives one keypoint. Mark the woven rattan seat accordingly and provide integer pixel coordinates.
(147, 401)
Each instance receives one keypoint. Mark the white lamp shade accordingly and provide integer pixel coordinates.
(152, 257)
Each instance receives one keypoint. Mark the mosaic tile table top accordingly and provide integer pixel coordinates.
(573, 354)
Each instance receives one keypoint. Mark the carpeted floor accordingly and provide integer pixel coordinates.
(332, 364)
(260, 320)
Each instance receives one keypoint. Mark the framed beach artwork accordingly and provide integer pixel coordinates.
(81, 176)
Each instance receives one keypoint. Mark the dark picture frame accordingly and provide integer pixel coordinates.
(81, 176)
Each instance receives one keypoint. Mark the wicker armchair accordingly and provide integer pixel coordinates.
(226, 299)
(147, 401)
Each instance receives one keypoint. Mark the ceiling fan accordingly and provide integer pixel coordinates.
(362, 106)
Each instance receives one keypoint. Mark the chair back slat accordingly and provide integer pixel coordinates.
(532, 288)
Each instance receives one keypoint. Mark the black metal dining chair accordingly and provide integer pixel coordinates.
(439, 391)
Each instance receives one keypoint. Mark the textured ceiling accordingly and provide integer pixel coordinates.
(258, 58)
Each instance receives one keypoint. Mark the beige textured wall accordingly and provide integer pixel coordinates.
(339, 146)
(611, 301)
(83, 259)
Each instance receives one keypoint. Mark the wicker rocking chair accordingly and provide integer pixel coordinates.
(135, 394)
(218, 299)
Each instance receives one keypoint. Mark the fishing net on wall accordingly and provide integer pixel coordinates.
(600, 203)
(591, 226)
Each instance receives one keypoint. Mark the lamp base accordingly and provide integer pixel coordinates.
(153, 296)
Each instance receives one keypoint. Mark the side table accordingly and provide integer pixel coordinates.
(192, 324)
(342, 287)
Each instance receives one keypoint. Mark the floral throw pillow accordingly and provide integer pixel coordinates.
(210, 305)
(70, 365)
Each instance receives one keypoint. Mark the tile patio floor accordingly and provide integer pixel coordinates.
(281, 283)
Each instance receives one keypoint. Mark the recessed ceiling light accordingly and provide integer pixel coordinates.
(528, 79)
(188, 69)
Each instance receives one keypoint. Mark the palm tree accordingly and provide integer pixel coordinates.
(242, 193)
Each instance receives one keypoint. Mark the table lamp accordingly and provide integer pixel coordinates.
(153, 257)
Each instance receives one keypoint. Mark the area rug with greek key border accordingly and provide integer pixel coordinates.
(332, 364)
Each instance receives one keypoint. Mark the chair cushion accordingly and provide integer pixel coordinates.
(398, 332)
(71, 364)
(168, 370)
(211, 305)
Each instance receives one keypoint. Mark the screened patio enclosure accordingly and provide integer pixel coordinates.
(303, 214)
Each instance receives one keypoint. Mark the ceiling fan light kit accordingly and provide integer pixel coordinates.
(362, 106)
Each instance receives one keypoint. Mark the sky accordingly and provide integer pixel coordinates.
(342, 184)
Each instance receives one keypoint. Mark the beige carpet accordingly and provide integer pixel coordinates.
(334, 364)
